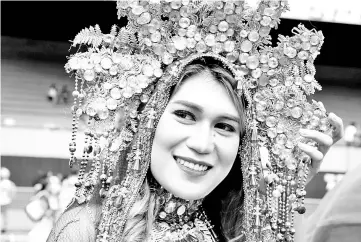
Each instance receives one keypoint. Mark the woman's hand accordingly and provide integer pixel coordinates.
(324, 142)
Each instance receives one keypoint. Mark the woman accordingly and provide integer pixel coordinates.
(169, 168)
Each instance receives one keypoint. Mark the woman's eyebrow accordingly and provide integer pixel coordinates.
(200, 109)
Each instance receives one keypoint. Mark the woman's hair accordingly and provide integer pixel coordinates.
(223, 202)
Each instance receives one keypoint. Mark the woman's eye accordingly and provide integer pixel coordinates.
(184, 115)
(225, 127)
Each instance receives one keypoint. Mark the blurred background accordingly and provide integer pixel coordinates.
(36, 99)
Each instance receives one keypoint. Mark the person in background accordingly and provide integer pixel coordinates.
(7, 193)
(67, 191)
(63, 95)
(338, 216)
(52, 93)
(350, 133)
(47, 190)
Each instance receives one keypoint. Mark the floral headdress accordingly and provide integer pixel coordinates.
(135, 66)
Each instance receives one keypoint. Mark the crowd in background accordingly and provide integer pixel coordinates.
(57, 96)
(52, 193)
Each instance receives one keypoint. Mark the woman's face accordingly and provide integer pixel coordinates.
(197, 138)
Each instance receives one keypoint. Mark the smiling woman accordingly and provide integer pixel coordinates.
(199, 133)
(173, 149)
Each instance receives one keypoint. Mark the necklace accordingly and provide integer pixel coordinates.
(180, 220)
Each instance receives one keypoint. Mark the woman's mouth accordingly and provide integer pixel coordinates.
(193, 167)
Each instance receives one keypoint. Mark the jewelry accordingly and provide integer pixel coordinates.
(135, 67)
(180, 220)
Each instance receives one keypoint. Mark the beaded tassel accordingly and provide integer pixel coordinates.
(75, 121)
(103, 179)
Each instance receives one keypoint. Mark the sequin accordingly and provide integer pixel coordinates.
(167, 58)
(263, 58)
(296, 112)
(308, 78)
(144, 98)
(96, 58)
(137, 9)
(155, 37)
(290, 52)
(221, 37)
(174, 16)
(298, 81)
(271, 121)
(289, 81)
(158, 72)
(265, 21)
(303, 55)
(191, 30)
(115, 93)
(261, 105)
(246, 46)
(253, 36)
(306, 45)
(230, 32)
(89, 75)
(218, 47)
(243, 33)
(180, 43)
(261, 116)
(273, 62)
(243, 57)
(90, 110)
(116, 58)
(198, 36)
(228, 8)
(181, 210)
(79, 112)
(103, 113)
(144, 18)
(279, 105)
(182, 32)
(176, 4)
(263, 80)
(142, 81)
(272, 133)
(252, 62)
(184, 22)
(258, 97)
(127, 92)
(315, 121)
(232, 57)
(314, 40)
(210, 40)
(229, 46)
(106, 63)
(111, 104)
(170, 207)
(201, 47)
(264, 31)
(213, 29)
(256, 73)
(113, 70)
(223, 26)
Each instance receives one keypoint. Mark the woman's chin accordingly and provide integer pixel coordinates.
(187, 193)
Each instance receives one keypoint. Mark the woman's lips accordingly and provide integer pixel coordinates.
(191, 166)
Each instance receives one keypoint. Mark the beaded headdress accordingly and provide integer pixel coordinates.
(123, 82)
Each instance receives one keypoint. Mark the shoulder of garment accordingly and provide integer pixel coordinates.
(75, 224)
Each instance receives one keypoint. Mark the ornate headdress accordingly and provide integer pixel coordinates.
(136, 66)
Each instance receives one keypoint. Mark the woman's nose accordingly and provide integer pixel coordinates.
(201, 140)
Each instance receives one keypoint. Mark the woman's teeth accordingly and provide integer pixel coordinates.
(193, 166)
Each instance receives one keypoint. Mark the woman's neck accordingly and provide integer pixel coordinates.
(176, 211)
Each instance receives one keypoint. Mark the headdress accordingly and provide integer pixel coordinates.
(137, 65)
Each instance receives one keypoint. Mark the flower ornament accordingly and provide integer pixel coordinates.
(123, 81)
